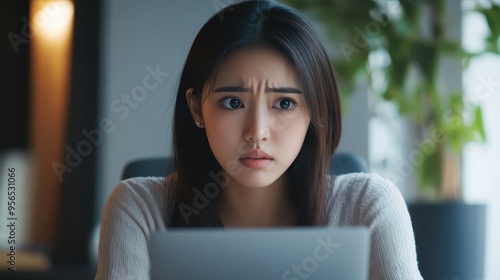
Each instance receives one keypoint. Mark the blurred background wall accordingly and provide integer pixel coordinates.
(138, 36)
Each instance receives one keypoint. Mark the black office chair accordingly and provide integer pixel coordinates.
(156, 167)
(344, 163)
(341, 163)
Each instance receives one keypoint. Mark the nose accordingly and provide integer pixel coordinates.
(257, 126)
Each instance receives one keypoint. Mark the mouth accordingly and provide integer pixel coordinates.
(255, 162)
(256, 159)
(256, 154)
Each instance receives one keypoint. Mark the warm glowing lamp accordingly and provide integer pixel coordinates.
(54, 19)
(51, 25)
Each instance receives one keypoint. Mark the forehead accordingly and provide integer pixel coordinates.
(256, 64)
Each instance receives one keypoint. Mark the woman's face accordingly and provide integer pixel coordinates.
(256, 105)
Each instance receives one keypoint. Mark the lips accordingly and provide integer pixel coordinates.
(256, 154)
(256, 159)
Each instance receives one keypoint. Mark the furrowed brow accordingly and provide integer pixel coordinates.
(243, 89)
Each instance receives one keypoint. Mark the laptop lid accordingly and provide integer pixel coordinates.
(277, 253)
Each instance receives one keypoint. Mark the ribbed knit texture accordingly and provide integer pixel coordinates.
(134, 209)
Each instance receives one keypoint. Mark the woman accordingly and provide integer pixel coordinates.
(257, 119)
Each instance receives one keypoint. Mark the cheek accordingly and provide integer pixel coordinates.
(293, 125)
(292, 134)
(290, 137)
(222, 132)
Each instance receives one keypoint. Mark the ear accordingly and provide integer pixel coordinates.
(194, 104)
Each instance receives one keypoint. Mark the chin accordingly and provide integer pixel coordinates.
(256, 181)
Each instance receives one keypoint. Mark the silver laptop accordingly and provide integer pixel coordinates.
(278, 253)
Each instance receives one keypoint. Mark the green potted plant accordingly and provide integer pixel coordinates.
(447, 230)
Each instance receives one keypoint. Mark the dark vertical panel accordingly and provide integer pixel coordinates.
(78, 187)
(14, 75)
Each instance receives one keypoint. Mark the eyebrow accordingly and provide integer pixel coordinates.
(243, 89)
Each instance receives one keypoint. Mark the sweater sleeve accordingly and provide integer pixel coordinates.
(384, 211)
(123, 245)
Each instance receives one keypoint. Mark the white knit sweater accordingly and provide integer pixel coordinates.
(135, 209)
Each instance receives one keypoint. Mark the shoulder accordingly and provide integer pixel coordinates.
(365, 185)
(142, 198)
(146, 188)
(367, 199)
(357, 195)
(133, 210)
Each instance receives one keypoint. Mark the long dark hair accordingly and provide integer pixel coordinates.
(286, 31)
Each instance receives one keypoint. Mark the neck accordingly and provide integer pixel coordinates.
(271, 206)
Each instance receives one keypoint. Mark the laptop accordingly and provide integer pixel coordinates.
(276, 253)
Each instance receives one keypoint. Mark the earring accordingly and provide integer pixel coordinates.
(198, 124)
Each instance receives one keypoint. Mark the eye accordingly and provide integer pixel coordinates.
(231, 103)
(285, 104)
